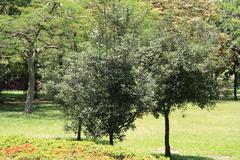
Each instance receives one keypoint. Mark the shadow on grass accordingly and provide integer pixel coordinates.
(44, 111)
(11, 108)
(12, 96)
(182, 157)
(100, 141)
(96, 141)
(9, 96)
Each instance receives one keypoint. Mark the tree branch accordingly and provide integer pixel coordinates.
(40, 50)
(21, 35)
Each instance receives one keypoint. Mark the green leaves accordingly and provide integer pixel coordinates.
(180, 60)
(12, 7)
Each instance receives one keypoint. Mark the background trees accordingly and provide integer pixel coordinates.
(10, 64)
(26, 33)
(228, 22)
(34, 32)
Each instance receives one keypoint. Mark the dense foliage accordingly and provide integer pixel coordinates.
(12, 7)
(228, 23)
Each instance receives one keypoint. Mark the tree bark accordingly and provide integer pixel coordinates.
(111, 139)
(31, 83)
(79, 137)
(167, 131)
(235, 82)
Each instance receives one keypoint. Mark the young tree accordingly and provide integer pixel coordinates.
(119, 93)
(65, 73)
(180, 60)
(74, 93)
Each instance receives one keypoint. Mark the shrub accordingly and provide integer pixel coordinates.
(19, 148)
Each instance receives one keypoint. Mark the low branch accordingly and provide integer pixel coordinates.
(40, 50)
(21, 35)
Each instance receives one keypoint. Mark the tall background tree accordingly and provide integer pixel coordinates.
(34, 32)
(11, 67)
(228, 21)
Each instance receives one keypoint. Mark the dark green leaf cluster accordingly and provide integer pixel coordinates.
(11, 7)
(118, 97)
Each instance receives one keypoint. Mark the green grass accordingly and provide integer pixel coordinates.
(214, 134)
(198, 135)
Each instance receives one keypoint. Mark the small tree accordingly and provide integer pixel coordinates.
(65, 74)
(180, 60)
(74, 93)
(119, 95)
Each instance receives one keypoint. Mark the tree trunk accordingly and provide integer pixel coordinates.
(235, 60)
(111, 139)
(79, 137)
(31, 83)
(1, 98)
(235, 82)
(167, 145)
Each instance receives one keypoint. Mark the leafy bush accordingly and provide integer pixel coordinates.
(19, 148)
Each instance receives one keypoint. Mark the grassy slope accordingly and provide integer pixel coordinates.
(214, 134)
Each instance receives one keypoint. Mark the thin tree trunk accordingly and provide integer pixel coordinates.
(111, 139)
(79, 137)
(167, 144)
(235, 82)
(1, 98)
(31, 84)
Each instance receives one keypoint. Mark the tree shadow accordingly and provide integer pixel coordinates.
(182, 157)
(97, 141)
(11, 107)
(46, 111)
(100, 141)
(13, 96)
(86, 139)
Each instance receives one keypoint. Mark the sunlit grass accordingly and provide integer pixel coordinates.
(195, 132)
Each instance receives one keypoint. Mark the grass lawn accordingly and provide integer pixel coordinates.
(195, 134)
